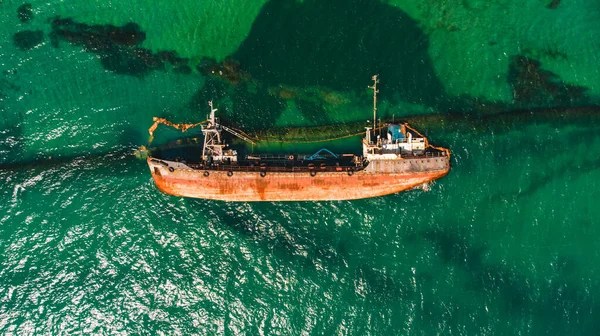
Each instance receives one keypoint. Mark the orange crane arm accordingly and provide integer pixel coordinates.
(182, 127)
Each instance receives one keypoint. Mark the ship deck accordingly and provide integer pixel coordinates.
(277, 165)
(294, 163)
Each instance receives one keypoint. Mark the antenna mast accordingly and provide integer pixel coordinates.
(374, 87)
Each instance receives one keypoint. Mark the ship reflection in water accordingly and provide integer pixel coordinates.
(400, 159)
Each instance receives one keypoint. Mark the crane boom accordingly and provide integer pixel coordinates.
(238, 134)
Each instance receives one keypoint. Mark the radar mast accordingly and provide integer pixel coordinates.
(374, 125)
(375, 91)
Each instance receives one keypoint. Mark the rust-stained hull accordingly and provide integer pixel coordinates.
(179, 180)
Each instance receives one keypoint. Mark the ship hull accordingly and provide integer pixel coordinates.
(179, 180)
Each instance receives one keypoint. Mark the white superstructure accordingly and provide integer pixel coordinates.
(394, 142)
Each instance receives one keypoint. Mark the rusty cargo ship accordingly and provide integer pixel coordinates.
(395, 157)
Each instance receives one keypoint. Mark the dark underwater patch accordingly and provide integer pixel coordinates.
(313, 111)
(11, 122)
(341, 44)
(184, 69)
(570, 169)
(25, 12)
(517, 294)
(171, 57)
(532, 85)
(228, 70)
(455, 250)
(553, 4)
(28, 39)
(542, 179)
(253, 106)
(97, 37)
(213, 89)
(118, 47)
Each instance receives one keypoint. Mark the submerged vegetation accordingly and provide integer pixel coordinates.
(118, 47)
(25, 12)
(533, 85)
(28, 39)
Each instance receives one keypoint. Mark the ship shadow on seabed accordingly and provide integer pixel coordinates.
(292, 59)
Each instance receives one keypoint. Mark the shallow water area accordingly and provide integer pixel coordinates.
(505, 244)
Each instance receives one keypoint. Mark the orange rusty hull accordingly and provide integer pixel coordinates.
(286, 186)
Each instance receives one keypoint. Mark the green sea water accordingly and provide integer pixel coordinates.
(506, 244)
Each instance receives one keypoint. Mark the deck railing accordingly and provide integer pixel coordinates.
(424, 154)
(281, 169)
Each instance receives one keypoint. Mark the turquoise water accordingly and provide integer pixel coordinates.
(505, 244)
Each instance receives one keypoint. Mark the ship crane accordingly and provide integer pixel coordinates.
(214, 126)
(237, 134)
(213, 148)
